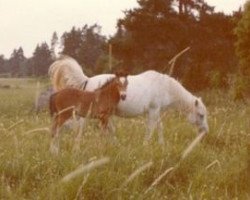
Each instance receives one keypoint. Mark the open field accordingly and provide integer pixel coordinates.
(217, 168)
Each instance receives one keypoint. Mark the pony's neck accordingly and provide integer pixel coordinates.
(183, 98)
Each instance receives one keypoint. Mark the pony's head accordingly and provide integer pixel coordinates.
(122, 83)
(198, 115)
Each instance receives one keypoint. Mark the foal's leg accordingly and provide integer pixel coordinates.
(59, 120)
(79, 131)
(104, 123)
(54, 144)
(111, 126)
(112, 130)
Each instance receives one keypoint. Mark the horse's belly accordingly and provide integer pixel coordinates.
(131, 108)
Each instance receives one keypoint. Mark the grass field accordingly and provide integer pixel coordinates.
(216, 168)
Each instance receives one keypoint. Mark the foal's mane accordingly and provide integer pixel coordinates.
(107, 83)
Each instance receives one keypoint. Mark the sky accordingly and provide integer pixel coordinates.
(26, 23)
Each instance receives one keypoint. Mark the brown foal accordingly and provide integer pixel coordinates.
(100, 104)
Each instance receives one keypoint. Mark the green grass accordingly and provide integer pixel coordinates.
(217, 168)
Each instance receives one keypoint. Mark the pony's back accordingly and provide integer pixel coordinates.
(70, 98)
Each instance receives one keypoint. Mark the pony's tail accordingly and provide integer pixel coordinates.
(52, 107)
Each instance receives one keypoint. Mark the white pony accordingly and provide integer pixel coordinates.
(148, 93)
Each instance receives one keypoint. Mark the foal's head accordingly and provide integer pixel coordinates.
(115, 87)
(198, 116)
(121, 83)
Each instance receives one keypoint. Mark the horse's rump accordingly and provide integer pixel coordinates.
(66, 72)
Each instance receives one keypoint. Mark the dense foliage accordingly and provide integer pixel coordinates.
(150, 35)
(242, 32)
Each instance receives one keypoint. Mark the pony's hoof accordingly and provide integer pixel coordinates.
(161, 142)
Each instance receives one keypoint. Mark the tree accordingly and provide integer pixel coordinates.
(242, 44)
(72, 42)
(54, 43)
(86, 45)
(242, 32)
(189, 7)
(41, 59)
(92, 47)
(150, 35)
(15, 61)
(2, 62)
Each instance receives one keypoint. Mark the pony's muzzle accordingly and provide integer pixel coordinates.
(203, 129)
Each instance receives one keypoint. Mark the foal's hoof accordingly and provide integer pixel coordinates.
(54, 150)
(115, 141)
(161, 142)
(76, 147)
(145, 143)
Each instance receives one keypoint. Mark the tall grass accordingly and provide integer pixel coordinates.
(215, 167)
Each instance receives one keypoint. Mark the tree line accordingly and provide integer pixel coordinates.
(147, 37)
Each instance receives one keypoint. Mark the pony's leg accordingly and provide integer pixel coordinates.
(153, 116)
(160, 132)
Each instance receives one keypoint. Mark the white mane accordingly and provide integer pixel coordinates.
(66, 72)
(183, 98)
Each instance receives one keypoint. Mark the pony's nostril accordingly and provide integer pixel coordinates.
(203, 130)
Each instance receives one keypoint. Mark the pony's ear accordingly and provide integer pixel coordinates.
(196, 102)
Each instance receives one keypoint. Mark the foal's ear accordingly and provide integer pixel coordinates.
(121, 73)
(196, 103)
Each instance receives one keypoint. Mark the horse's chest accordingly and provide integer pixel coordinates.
(102, 110)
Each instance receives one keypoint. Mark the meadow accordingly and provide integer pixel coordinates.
(218, 167)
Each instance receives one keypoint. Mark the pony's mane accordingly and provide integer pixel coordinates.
(184, 98)
(107, 83)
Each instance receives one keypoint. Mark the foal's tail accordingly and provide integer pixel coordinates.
(52, 107)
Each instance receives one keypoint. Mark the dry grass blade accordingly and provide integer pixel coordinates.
(137, 172)
(85, 169)
(37, 93)
(192, 145)
(15, 124)
(173, 60)
(156, 181)
(79, 192)
(212, 164)
(65, 109)
(38, 130)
